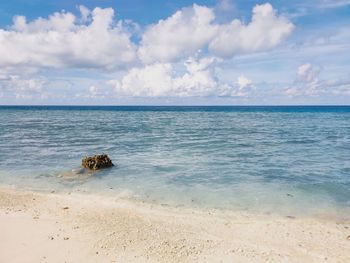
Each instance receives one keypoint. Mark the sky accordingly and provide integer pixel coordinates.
(159, 52)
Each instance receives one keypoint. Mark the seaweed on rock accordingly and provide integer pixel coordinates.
(97, 162)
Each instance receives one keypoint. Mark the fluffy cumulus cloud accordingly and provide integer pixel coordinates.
(180, 35)
(194, 28)
(179, 56)
(162, 80)
(152, 80)
(95, 39)
(265, 31)
(306, 81)
(245, 86)
(309, 83)
(64, 40)
(185, 33)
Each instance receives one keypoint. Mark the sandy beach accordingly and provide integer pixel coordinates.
(75, 227)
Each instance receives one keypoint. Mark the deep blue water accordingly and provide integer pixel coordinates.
(285, 158)
(311, 108)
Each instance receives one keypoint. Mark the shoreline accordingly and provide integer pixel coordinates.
(52, 227)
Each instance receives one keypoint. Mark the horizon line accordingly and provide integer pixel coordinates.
(176, 105)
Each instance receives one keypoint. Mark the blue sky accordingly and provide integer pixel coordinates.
(175, 52)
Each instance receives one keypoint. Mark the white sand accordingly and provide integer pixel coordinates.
(40, 227)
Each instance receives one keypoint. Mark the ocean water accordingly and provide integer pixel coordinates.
(286, 159)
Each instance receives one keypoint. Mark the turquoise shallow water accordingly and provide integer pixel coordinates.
(288, 159)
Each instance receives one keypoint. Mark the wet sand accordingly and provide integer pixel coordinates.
(74, 227)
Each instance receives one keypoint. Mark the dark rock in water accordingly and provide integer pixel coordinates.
(97, 162)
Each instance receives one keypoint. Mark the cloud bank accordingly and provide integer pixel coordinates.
(160, 80)
(184, 55)
(195, 28)
(97, 39)
(66, 41)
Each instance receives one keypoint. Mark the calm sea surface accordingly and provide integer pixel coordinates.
(288, 159)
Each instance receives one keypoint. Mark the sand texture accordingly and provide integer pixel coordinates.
(64, 227)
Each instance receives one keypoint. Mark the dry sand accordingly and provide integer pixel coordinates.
(62, 227)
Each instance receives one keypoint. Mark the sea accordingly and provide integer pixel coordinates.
(270, 159)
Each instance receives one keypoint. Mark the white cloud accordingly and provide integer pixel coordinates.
(245, 86)
(96, 40)
(243, 82)
(62, 41)
(161, 80)
(307, 73)
(20, 87)
(178, 36)
(194, 28)
(152, 80)
(308, 83)
(265, 31)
